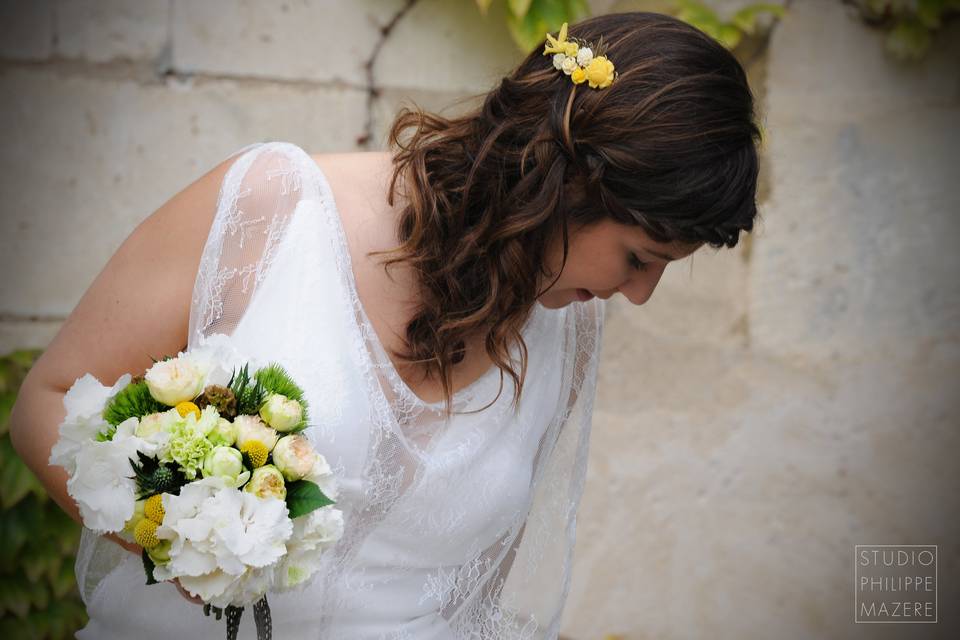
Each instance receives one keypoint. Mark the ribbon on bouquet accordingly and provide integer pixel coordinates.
(261, 617)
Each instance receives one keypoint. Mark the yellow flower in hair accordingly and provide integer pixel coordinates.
(560, 43)
(599, 72)
(579, 62)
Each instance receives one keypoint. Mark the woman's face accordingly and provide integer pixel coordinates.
(605, 258)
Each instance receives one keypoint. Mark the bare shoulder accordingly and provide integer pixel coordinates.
(138, 306)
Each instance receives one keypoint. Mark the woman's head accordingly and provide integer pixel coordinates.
(664, 159)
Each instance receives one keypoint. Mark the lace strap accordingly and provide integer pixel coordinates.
(258, 197)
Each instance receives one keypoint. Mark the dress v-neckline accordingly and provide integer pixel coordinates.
(381, 359)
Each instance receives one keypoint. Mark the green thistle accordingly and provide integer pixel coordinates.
(275, 379)
(154, 477)
(134, 400)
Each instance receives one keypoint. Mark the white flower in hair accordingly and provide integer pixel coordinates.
(584, 56)
(569, 64)
(558, 59)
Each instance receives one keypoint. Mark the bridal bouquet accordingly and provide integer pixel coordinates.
(201, 462)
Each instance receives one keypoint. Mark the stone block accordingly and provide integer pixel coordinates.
(27, 333)
(87, 159)
(105, 30)
(315, 41)
(837, 66)
(26, 29)
(858, 251)
(448, 46)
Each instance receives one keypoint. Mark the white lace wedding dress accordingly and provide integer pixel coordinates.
(454, 529)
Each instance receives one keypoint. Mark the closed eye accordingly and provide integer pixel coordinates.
(637, 263)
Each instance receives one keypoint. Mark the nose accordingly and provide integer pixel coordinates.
(639, 291)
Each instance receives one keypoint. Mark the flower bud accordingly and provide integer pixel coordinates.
(267, 482)
(294, 456)
(281, 412)
(253, 428)
(224, 433)
(226, 463)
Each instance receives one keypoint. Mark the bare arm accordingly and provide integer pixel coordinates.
(137, 307)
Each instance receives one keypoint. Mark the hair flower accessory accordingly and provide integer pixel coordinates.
(579, 60)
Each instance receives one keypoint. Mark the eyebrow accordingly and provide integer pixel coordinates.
(662, 256)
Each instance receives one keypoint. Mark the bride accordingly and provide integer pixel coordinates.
(451, 383)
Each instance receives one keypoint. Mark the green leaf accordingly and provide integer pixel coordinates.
(730, 36)
(519, 8)
(16, 479)
(303, 497)
(908, 40)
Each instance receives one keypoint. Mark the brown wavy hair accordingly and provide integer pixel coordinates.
(670, 146)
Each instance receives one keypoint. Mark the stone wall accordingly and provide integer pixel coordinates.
(770, 407)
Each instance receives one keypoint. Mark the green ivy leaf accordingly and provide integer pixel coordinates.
(303, 497)
(16, 479)
(908, 40)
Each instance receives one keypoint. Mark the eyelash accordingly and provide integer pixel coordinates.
(636, 263)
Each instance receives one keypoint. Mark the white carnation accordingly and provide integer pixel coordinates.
(312, 534)
(219, 357)
(84, 402)
(103, 484)
(218, 536)
(323, 477)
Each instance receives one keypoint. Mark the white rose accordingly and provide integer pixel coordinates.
(252, 428)
(294, 456)
(281, 412)
(568, 65)
(558, 59)
(150, 424)
(584, 56)
(176, 380)
(267, 482)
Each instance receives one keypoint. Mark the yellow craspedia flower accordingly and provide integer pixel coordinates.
(185, 407)
(153, 509)
(256, 451)
(578, 76)
(599, 72)
(145, 534)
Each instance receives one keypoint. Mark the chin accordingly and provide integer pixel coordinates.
(558, 299)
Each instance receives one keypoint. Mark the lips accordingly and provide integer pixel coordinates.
(583, 295)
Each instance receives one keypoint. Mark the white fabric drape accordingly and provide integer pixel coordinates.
(461, 528)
